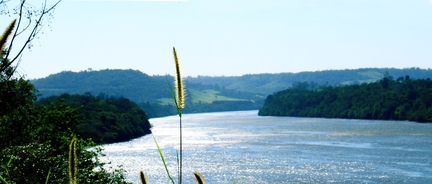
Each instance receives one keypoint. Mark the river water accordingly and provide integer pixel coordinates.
(244, 147)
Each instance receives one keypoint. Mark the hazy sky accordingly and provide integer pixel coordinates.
(233, 37)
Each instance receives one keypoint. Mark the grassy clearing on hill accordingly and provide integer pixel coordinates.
(204, 96)
(209, 96)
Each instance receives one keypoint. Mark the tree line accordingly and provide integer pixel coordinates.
(387, 99)
(145, 90)
(267, 83)
(103, 119)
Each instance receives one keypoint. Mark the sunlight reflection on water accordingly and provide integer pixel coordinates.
(241, 145)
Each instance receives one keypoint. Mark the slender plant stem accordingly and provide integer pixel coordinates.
(3, 180)
(163, 159)
(179, 99)
(181, 151)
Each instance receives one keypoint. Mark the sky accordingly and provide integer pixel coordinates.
(232, 37)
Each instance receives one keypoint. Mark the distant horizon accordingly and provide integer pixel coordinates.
(230, 38)
(186, 76)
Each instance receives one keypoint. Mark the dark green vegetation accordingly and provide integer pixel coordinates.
(204, 94)
(149, 92)
(386, 99)
(266, 84)
(35, 137)
(104, 119)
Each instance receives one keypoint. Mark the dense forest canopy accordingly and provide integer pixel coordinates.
(104, 119)
(132, 84)
(387, 99)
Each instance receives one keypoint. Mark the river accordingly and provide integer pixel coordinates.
(244, 147)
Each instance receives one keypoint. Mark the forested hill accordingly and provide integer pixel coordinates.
(103, 119)
(204, 94)
(266, 84)
(386, 99)
(149, 92)
(133, 84)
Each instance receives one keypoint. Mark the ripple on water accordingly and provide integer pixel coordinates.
(240, 145)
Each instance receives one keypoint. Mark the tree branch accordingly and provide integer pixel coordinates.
(35, 30)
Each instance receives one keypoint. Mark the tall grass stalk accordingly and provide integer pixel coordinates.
(178, 94)
(179, 99)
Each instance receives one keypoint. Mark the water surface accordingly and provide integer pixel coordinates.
(242, 146)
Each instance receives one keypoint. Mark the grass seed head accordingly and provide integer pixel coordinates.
(178, 81)
(6, 34)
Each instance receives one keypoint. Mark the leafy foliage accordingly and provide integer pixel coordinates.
(104, 119)
(35, 143)
(32, 162)
(386, 99)
(34, 139)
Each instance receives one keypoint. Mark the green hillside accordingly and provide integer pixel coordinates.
(150, 92)
(132, 84)
(207, 96)
(266, 84)
(204, 93)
